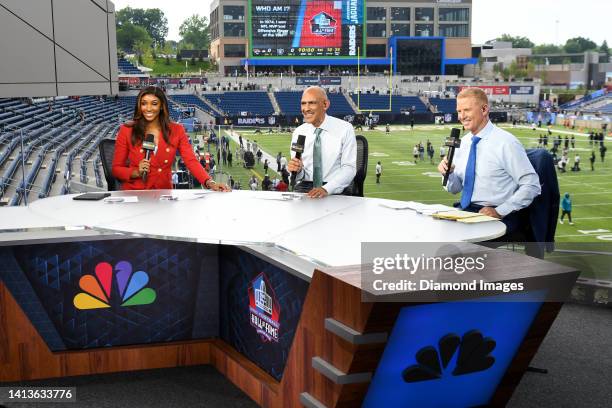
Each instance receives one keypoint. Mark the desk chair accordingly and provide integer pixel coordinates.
(544, 210)
(107, 151)
(356, 187)
(540, 217)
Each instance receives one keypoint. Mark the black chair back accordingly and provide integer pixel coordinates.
(544, 210)
(107, 152)
(356, 187)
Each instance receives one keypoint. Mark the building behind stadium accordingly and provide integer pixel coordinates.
(440, 33)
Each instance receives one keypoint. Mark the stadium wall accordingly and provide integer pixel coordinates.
(514, 92)
(59, 47)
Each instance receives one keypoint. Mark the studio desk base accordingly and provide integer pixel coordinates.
(335, 349)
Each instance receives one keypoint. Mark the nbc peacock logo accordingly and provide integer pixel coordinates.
(98, 288)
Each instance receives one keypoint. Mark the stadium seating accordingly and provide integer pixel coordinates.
(606, 109)
(193, 100)
(50, 139)
(100, 134)
(70, 127)
(398, 103)
(126, 67)
(444, 105)
(98, 172)
(67, 137)
(234, 103)
(289, 102)
(339, 106)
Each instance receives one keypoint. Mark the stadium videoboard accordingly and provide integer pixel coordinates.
(307, 28)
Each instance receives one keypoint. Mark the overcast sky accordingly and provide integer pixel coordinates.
(535, 19)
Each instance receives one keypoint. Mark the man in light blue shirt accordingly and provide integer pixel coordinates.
(491, 167)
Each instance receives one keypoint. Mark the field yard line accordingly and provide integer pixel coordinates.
(556, 130)
(582, 183)
(597, 192)
(580, 235)
(440, 190)
(591, 218)
(592, 185)
(590, 205)
(597, 175)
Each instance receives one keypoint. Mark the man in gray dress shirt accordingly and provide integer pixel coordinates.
(491, 167)
(328, 163)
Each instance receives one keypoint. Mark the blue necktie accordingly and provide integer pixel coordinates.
(317, 165)
(470, 175)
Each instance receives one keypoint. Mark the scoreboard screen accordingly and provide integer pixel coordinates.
(306, 28)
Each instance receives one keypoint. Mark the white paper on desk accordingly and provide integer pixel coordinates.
(282, 197)
(122, 199)
(186, 195)
(420, 208)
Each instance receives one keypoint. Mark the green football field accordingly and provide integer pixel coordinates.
(403, 179)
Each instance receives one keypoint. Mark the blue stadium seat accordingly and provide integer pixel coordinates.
(193, 100)
(444, 105)
(289, 102)
(234, 103)
(398, 102)
(127, 67)
(339, 106)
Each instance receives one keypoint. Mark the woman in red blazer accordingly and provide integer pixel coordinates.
(151, 116)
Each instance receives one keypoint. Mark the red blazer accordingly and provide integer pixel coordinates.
(127, 157)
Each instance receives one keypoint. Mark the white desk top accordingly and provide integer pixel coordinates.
(328, 231)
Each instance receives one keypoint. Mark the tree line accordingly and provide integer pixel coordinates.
(572, 46)
(143, 32)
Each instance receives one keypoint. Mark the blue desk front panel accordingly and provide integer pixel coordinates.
(450, 354)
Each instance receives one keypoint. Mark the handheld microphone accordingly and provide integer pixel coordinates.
(298, 148)
(148, 145)
(452, 143)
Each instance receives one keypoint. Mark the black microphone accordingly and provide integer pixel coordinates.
(148, 145)
(298, 148)
(452, 143)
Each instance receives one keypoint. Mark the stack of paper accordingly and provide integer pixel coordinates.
(463, 216)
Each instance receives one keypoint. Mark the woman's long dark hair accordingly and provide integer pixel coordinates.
(139, 123)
